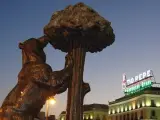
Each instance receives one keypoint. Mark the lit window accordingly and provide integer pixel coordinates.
(87, 117)
(158, 104)
(138, 105)
(113, 111)
(130, 107)
(109, 112)
(133, 106)
(122, 109)
(91, 116)
(148, 103)
(117, 110)
(143, 104)
(126, 108)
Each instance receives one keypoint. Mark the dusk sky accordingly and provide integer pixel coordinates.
(136, 48)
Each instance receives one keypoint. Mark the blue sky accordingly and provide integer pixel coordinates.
(136, 26)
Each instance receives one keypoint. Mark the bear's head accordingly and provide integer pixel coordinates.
(32, 51)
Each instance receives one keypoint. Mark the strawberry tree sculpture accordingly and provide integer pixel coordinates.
(76, 30)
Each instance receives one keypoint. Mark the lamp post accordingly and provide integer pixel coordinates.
(52, 101)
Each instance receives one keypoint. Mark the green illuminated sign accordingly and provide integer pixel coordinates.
(138, 87)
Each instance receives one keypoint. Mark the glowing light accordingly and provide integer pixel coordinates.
(138, 105)
(109, 112)
(133, 106)
(143, 104)
(52, 101)
(22, 93)
(148, 103)
(118, 110)
(122, 109)
(91, 116)
(158, 104)
(126, 108)
(113, 111)
(87, 117)
(62, 118)
(130, 107)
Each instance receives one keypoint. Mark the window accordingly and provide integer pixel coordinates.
(153, 113)
(110, 111)
(120, 117)
(136, 105)
(89, 117)
(111, 118)
(127, 116)
(104, 117)
(116, 117)
(136, 117)
(124, 117)
(140, 104)
(62, 118)
(153, 103)
(97, 118)
(132, 116)
(141, 116)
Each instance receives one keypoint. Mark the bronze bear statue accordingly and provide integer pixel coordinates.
(36, 80)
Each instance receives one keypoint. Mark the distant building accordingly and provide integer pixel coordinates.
(41, 115)
(141, 100)
(143, 105)
(91, 112)
(52, 117)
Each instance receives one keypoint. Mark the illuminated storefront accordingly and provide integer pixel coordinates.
(91, 112)
(141, 100)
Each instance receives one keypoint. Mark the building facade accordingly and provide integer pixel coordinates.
(142, 105)
(41, 115)
(91, 112)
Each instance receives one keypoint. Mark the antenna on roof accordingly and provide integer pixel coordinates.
(124, 81)
(153, 78)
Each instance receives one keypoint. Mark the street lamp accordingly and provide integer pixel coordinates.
(52, 101)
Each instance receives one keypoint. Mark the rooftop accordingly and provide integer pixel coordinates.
(151, 90)
(94, 106)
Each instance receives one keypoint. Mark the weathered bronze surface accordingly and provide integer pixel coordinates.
(36, 81)
(78, 29)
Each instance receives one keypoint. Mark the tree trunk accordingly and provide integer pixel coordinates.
(75, 98)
